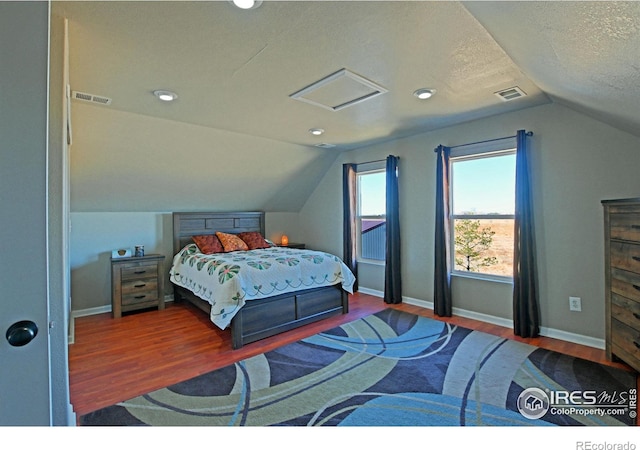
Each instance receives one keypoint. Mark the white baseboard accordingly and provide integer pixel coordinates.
(71, 335)
(71, 416)
(91, 311)
(105, 309)
(500, 321)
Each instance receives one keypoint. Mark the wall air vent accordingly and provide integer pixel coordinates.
(510, 93)
(325, 145)
(83, 96)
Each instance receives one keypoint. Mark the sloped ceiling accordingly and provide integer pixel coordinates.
(585, 55)
(235, 71)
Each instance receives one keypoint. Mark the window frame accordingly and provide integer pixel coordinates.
(487, 149)
(363, 170)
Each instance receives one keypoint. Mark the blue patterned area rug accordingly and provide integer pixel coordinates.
(392, 368)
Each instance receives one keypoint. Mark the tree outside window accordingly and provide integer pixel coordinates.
(483, 206)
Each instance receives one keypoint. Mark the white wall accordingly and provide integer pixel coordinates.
(130, 162)
(576, 162)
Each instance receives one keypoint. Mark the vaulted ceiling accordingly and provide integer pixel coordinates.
(236, 70)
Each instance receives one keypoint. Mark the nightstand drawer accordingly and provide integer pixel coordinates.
(139, 271)
(149, 295)
(137, 286)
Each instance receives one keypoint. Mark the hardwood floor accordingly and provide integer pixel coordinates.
(116, 359)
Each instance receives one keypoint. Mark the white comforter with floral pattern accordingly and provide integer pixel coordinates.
(228, 280)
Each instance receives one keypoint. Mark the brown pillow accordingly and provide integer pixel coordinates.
(253, 239)
(208, 243)
(231, 242)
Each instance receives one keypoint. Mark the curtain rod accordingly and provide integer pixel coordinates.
(379, 160)
(528, 133)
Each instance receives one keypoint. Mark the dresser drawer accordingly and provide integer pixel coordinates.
(625, 256)
(625, 226)
(626, 284)
(626, 311)
(139, 271)
(625, 340)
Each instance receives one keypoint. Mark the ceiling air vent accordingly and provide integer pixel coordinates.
(511, 93)
(339, 90)
(83, 96)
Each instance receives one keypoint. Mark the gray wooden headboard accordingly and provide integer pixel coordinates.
(187, 224)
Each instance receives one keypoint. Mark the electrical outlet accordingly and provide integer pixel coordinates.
(575, 304)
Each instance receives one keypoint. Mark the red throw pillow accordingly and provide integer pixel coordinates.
(208, 244)
(231, 242)
(253, 239)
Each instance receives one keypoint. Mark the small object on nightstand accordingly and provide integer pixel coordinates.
(139, 250)
(121, 253)
(136, 283)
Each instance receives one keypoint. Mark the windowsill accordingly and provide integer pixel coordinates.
(371, 262)
(483, 277)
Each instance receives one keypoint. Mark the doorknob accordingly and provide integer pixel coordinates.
(21, 333)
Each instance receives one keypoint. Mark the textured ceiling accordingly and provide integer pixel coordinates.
(235, 70)
(585, 55)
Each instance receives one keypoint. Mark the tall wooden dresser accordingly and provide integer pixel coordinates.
(622, 275)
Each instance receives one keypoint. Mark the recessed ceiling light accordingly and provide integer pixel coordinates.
(247, 4)
(424, 94)
(165, 96)
(316, 131)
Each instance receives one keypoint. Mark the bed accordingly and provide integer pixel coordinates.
(254, 308)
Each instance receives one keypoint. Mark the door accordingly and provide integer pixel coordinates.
(25, 393)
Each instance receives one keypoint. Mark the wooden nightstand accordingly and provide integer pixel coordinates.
(136, 283)
(293, 245)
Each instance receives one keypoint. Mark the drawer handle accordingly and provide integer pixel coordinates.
(140, 285)
(636, 344)
(635, 227)
(139, 296)
(636, 258)
(140, 271)
(636, 287)
(636, 315)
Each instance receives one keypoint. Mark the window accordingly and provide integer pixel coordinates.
(371, 217)
(483, 209)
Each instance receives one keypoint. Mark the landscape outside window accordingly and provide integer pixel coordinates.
(483, 205)
(372, 215)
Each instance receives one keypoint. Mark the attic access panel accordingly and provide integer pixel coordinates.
(338, 91)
